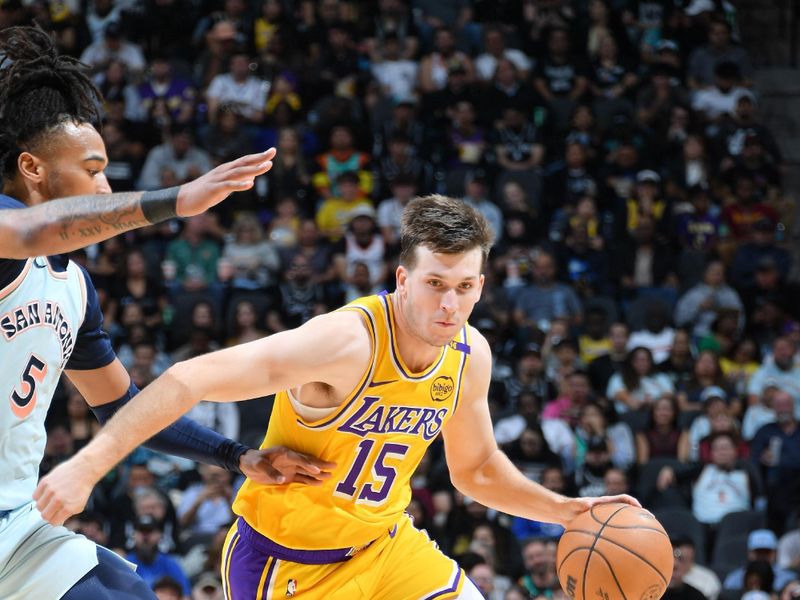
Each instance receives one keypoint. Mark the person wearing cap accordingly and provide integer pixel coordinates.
(151, 563)
(698, 306)
(762, 544)
(333, 215)
(364, 244)
(704, 59)
(647, 200)
(715, 403)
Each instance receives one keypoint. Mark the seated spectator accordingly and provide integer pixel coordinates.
(284, 227)
(227, 139)
(697, 307)
(662, 438)
(762, 545)
(531, 453)
(151, 563)
(517, 143)
(113, 47)
(644, 261)
(253, 260)
(602, 368)
(740, 364)
(300, 297)
(559, 77)
(167, 588)
(205, 506)
(723, 422)
(576, 394)
(612, 79)
(396, 73)
(760, 413)
(594, 342)
(699, 229)
(748, 215)
(706, 374)
(539, 557)
(714, 403)
(194, 255)
(680, 364)
(176, 93)
(434, 67)
(239, 89)
(657, 336)
(363, 244)
(638, 385)
(476, 194)
(593, 426)
(289, 175)
(704, 59)
(390, 210)
(677, 587)
(776, 451)
(545, 299)
(719, 488)
(699, 577)
(494, 44)
(781, 372)
(720, 99)
(245, 324)
(335, 212)
(403, 164)
(590, 476)
(343, 157)
(179, 156)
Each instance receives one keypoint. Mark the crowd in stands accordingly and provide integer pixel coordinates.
(638, 300)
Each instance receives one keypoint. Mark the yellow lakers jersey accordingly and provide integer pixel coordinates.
(376, 437)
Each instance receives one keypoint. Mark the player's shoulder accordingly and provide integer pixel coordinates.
(9, 202)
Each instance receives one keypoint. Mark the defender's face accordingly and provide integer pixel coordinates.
(74, 161)
(439, 292)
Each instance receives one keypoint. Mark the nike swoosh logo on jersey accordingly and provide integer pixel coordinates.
(39, 265)
(377, 383)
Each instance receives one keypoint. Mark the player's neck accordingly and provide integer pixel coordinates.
(416, 353)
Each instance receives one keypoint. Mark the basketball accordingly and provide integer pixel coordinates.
(614, 551)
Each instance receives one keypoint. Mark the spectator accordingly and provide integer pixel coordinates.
(704, 60)
(167, 588)
(495, 50)
(524, 529)
(390, 211)
(590, 477)
(245, 324)
(340, 159)
(517, 142)
(560, 78)
(396, 73)
(698, 306)
(151, 563)
(761, 545)
(657, 336)
(205, 506)
(161, 87)
(539, 558)
(699, 577)
(290, 175)
(612, 81)
(545, 299)
(662, 438)
(720, 100)
(208, 587)
(179, 157)
(253, 260)
(681, 364)
(593, 426)
(706, 378)
(246, 93)
(476, 195)
(638, 384)
(364, 244)
(135, 284)
(113, 47)
(678, 588)
(435, 67)
(335, 212)
(603, 367)
(781, 372)
(194, 255)
(776, 450)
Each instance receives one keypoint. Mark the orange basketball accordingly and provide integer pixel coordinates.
(614, 552)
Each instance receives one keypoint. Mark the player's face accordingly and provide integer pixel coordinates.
(73, 163)
(439, 292)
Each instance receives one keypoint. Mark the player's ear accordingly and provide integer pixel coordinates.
(402, 277)
(31, 167)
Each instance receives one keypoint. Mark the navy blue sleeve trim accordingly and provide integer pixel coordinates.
(93, 348)
(10, 267)
(183, 438)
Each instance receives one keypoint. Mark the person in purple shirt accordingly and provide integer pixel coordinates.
(176, 94)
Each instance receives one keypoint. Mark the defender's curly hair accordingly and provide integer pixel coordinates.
(39, 92)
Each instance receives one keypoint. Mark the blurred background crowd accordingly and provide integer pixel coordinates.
(641, 298)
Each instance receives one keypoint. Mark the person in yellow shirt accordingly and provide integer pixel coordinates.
(367, 388)
(333, 214)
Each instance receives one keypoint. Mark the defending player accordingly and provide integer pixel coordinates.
(50, 319)
(368, 386)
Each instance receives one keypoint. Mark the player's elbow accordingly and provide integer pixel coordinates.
(183, 379)
(21, 238)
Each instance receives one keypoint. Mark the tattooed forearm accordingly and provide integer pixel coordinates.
(67, 224)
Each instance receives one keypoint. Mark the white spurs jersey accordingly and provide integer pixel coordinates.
(42, 312)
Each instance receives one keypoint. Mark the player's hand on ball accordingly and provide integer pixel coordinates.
(577, 506)
(63, 492)
(278, 465)
(212, 188)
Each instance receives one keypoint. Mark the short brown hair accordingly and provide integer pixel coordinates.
(443, 225)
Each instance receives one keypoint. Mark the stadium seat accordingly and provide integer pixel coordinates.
(741, 522)
(680, 522)
(730, 552)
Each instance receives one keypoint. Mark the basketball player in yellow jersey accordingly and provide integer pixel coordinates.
(367, 388)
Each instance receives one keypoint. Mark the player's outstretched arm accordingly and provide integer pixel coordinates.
(479, 469)
(67, 224)
(333, 349)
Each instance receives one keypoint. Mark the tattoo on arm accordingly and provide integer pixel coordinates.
(93, 218)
